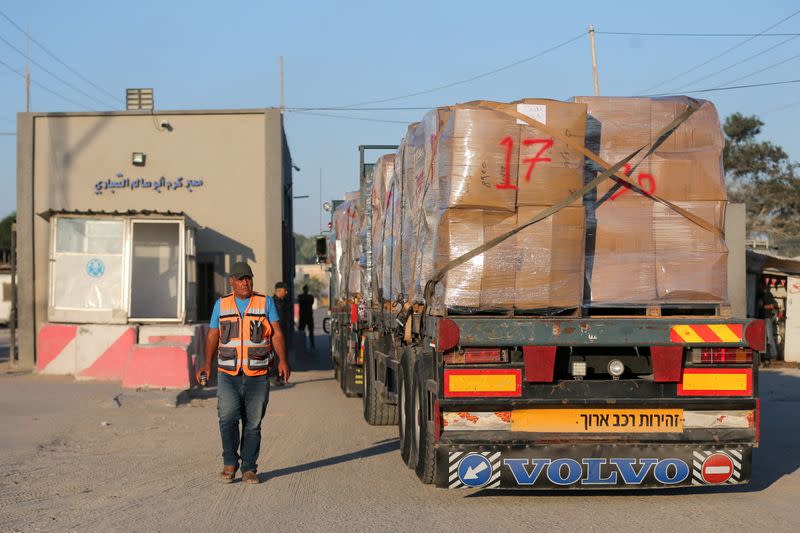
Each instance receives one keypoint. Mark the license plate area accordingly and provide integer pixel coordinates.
(597, 421)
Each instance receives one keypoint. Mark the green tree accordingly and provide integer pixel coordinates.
(305, 249)
(5, 231)
(761, 175)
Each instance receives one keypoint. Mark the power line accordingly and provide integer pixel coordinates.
(651, 34)
(732, 65)
(52, 55)
(366, 119)
(65, 82)
(781, 108)
(724, 52)
(428, 108)
(779, 63)
(22, 75)
(767, 84)
(472, 78)
(341, 108)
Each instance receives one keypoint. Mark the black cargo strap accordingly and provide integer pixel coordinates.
(613, 170)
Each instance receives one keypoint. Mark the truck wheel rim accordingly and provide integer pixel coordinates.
(417, 417)
(402, 408)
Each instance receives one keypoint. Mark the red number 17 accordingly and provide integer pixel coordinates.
(546, 144)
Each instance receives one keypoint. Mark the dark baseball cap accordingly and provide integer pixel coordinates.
(281, 285)
(241, 270)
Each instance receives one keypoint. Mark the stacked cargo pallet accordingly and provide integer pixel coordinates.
(468, 173)
(347, 221)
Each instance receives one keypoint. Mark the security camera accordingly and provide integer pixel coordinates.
(166, 125)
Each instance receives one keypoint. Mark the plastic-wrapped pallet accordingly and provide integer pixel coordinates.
(480, 161)
(381, 176)
(346, 225)
(640, 251)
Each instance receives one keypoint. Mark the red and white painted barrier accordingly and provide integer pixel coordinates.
(163, 357)
(89, 351)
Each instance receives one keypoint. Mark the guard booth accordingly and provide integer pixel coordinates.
(121, 267)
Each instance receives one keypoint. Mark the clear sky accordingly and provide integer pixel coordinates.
(201, 55)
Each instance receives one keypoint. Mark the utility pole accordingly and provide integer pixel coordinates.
(27, 70)
(283, 103)
(320, 201)
(594, 60)
(12, 320)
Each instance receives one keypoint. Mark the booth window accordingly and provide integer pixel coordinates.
(115, 269)
(88, 264)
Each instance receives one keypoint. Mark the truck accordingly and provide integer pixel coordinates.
(588, 398)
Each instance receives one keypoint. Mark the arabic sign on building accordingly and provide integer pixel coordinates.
(124, 183)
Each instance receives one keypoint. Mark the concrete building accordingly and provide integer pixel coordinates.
(135, 217)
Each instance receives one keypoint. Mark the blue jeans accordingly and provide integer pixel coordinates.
(241, 398)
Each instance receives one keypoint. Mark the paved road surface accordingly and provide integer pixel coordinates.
(73, 458)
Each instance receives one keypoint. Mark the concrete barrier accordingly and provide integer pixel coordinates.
(88, 351)
(157, 366)
(159, 356)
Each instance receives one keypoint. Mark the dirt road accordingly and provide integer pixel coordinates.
(74, 458)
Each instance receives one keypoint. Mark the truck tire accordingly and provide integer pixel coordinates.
(404, 405)
(376, 411)
(422, 432)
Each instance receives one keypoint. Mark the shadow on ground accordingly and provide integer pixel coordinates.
(379, 448)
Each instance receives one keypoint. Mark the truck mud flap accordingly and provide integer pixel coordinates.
(605, 466)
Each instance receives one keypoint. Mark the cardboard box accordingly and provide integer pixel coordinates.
(459, 231)
(643, 252)
(691, 262)
(476, 167)
(701, 131)
(549, 182)
(676, 177)
(620, 253)
(549, 260)
(501, 263)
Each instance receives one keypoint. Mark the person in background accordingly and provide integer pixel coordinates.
(284, 306)
(306, 302)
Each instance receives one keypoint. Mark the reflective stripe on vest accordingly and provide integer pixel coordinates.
(245, 341)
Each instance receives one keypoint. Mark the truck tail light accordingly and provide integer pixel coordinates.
(667, 363)
(473, 382)
(539, 363)
(470, 356)
(448, 335)
(754, 333)
(721, 355)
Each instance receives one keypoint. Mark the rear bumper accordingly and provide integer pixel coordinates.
(592, 465)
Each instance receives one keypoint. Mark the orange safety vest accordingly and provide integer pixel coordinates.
(245, 342)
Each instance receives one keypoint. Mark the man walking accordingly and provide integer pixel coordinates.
(244, 330)
(306, 302)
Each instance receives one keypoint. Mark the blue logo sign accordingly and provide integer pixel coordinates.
(598, 471)
(95, 267)
(474, 470)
